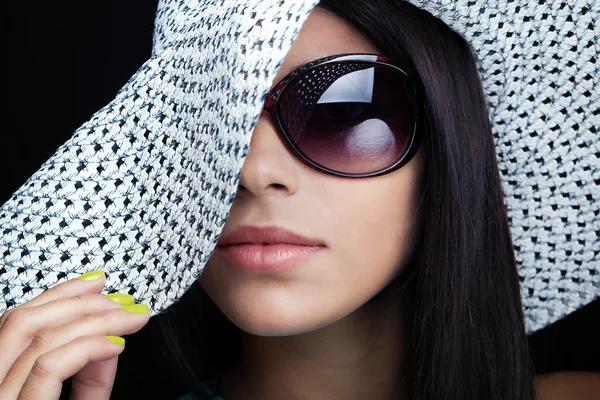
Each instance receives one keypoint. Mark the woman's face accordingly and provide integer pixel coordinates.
(367, 226)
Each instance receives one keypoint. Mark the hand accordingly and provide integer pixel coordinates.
(61, 333)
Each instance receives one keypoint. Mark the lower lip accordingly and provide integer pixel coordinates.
(266, 257)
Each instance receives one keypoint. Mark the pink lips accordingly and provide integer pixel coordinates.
(266, 249)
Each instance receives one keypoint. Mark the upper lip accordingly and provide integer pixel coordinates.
(265, 235)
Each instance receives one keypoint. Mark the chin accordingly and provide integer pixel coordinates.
(264, 307)
(268, 319)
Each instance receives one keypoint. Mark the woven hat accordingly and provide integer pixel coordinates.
(142, 189)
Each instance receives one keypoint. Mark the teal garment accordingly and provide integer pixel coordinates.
(188, 396)
(191, 396)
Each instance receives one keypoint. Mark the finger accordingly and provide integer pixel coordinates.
(22, 325)
(92, 282)
(95, 381)
(108, 322)
(51, 369)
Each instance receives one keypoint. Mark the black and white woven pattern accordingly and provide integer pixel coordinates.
(143, 189)
(538, 60)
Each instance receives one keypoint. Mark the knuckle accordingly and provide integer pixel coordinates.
(90, 303)
(13, 318)
(42, 342)
(4, 316)
(92, 319)
(42, 368)
(82, 299)
(93, 382)
(94, 322)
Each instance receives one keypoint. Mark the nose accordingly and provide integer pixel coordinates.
(270, 167)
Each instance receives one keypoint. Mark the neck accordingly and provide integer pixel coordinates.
(363, 355)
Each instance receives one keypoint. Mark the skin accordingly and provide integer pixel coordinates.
(326, 328)
(60, 334)
(568, 385)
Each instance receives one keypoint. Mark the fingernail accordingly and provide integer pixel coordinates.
(137, 308)
(92, 276)
(116, 340)
(121, 298)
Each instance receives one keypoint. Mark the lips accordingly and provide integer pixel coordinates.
(266, 249)
(266, 235)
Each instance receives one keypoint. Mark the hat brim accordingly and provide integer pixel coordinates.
(142, 189)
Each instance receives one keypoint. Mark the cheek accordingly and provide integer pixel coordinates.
(379, 222)
(377, 241)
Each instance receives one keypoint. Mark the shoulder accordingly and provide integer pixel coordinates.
(580, 385)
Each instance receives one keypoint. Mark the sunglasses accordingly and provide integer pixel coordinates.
(348, 115)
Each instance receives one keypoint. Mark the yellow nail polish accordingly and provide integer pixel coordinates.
(116, 340)
(92, 276)
(137, 308)
(121, 298)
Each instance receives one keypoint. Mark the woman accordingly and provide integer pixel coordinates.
(350, 313)
(406, 286)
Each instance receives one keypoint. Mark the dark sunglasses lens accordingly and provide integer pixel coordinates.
(354, 118)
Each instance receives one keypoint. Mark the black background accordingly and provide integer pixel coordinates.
(64, 60)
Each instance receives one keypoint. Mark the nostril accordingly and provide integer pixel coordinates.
(278, 185)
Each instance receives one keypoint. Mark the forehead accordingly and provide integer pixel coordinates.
(323, 34)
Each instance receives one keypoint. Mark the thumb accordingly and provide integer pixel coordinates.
(95, 381)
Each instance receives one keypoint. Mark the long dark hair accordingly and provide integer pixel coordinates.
(468, 339)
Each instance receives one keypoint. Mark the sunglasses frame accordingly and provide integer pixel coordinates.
(272, 106)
